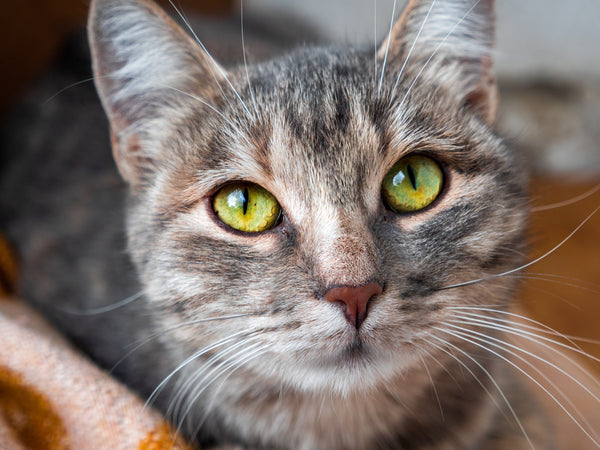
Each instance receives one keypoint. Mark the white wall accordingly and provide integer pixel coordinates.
(539, 38)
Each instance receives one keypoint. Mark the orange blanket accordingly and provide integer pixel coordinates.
(52, 397)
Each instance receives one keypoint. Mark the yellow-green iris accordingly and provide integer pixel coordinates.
(412, 184)
(246, 207)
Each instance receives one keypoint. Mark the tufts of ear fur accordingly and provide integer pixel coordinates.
(453, 40)
(143, 62)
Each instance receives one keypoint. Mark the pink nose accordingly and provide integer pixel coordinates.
(354, 300)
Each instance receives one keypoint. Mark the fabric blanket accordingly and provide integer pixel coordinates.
(53, 397)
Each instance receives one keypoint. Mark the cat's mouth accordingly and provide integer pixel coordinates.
(356, 350)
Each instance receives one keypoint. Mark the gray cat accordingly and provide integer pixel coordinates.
(307, 231)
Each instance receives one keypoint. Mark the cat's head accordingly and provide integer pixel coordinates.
(302, 219)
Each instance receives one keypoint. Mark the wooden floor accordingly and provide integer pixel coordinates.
(565, 297)
(568, 297)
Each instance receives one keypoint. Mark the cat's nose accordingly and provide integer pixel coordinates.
(354, 300)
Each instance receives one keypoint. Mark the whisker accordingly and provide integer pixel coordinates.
(232, 369)
(140, 343)
(208, 367)
(542, 326)
(412, 47)
(568, 202)
(548, 293)
(435, 392)
(196, 381)
(490, 377)
(436, 50)
(444, 368)
(462, 336)
(245, 62)
(162, 85)
(528, 353)
(102, 309)
(209, 378)
(195, 355)
(187, 94)
(532, 337)
(375, 40)
(557, 279)
(387, 48)
(503, 346)
(217, 65)
(524, 266)
(66, 88)
(563, 277)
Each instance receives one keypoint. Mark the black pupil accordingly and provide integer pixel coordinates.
(245, 201)
(412, 176)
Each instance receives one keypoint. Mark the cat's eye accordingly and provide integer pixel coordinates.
(413, 183)
(246, 207)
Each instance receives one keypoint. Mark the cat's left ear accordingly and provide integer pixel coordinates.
(450, 41)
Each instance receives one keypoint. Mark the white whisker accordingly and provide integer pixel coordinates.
(549, 279)
(203, 373)
(187, 94)
(490, 377)
(214, 62)
(66, 88)
(538, 325)
(506, 345)
(524, 266)
(375, 40)
(232, 368)
(387, 48)
(442, 42)
(194, 356)
(245, 61)
(533, 337)
(571, 201)
(444, 368)
(412, 47)
(435, 392)
(102, 309)
(140, 343)
(460, 335)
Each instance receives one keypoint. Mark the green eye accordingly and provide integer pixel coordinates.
(246, 207)
(412, 184)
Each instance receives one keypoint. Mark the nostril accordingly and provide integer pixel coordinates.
(354, 300)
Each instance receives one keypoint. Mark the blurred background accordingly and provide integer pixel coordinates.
(548, 67)
(547, 60)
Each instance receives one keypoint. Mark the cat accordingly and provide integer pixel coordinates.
(319, 238)
(299, 285)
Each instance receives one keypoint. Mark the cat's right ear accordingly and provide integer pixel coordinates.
(143, 63)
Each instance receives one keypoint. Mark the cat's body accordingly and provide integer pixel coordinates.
(338, 325)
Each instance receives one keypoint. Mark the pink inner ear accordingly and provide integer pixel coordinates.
(484, 99)
(133, 165)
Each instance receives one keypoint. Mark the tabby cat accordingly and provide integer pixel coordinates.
(316, 236)
(305, 230)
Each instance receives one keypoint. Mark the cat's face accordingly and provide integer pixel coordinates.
(319, 130)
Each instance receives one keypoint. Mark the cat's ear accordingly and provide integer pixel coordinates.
(454, 41)
(143, 63)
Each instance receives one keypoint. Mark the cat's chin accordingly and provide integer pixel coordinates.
(355, 368)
